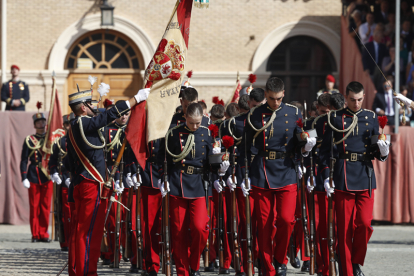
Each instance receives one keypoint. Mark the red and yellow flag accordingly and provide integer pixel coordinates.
(236, 93)
(164, 75)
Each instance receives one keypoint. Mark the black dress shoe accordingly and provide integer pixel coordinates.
(35, 240)
(280, 269)
(356, 268)
(223, 271)
(106, 262)
(125, 259)
(111, 265)
(64, 249)
(194, 272)
(152, 273)
(133, 269)
(305, 266)
(216, 263)
(45, 240)
(295, 262)
(210, 268)
(240, 274)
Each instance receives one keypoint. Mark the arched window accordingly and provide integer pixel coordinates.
(302, 62)
(104, 49)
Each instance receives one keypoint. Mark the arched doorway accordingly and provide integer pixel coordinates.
(302, 62)
(110, 56)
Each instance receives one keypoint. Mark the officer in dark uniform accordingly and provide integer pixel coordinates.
(353, 128)
(88, 168)
(15, 92)
(59, 155)
(188, 148)
(272, 129)
(36, 179)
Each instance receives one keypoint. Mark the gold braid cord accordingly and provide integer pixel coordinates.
(84, 137)
(116, 140)
(189, 145)
(238, 139)
(350, 129)
(64, 153)
(258, 131)
(35, 147)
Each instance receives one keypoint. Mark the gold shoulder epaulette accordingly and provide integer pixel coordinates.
(171, 129)
(254, 108)
(372, 112)
(316, 119)
(291, 105)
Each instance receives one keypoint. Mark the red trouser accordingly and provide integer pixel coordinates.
(40, 199)
(72, 239)
(299, 235)
(227, 253)
(353, 216)
(274, 209)
(110, 230)
(89, 231)
(184, 214)
(152, 200)
(321, 227)
(65, 216)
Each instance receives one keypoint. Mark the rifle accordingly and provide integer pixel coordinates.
(304, 211)
(128, 225)
(138, 224)
(312, 220)
(54, 211)
(220, 228)
(248, 225)
(331, 238)
(61, 231)
(104, 242)
(118, 218)
(236, 253)
(207, 248)
(166, 254)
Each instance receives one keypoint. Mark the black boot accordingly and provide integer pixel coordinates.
(64, 249)
(106, 262)
(281, 269)
(210, 268)
(194, 272)
(216, 263)
(295, 262)
(223, 271)
(356, 268)
(305, 266)
(133, 269)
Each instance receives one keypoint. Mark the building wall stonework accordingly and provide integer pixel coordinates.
(223, 37)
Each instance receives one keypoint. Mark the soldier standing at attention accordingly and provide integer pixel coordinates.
(88, 168)
(15, 92)
(37, 180)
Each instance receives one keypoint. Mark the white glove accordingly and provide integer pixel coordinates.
(309, 186)
(244, 189)
(223, 168)
(218, 186)
(216, 150)
(301, 171)
(67, 182)
(231, 184)
(311, 142)
(384, 147)
(128, 180)
(142, 95)
(161, 187)
(329, 191)
(118, 188)
(137, 181)
(55, 178)
(401, 98)
(26, 183)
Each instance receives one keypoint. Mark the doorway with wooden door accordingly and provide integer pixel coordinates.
(111, 57)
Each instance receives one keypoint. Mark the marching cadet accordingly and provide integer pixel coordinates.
(57, 161)
(272, 129)
(188, 147)
(329, 86)
(88, 168)
(15, 92)
(354, 178)
(36, 179)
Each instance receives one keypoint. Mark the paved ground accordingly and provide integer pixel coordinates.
(390, 252)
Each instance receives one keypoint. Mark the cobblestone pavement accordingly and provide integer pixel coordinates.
(390, 252)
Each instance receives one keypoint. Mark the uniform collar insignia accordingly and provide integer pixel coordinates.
(356, 113)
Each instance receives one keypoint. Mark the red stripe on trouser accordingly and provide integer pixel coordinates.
(40, 200)
(274, 209)
(90, 226)
(110, 228)
(65, 216)
(72, 239)
(321, 226)
(299, 235)
(353, 216)
(152, 200)
(185, 214)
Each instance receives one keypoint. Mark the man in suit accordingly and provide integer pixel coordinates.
(381, 16)
(15, 92)
(406, 34)
(383, 102)
(377, 50)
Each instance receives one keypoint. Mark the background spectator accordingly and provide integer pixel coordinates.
(377, 50)
(406, 34)
(381, 16)
(388, 63)
(354, 24)
(366, 30)
(384, 102)
(408, 111)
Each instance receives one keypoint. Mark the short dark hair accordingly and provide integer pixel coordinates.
(313, 106)
(257, 94)
(179, 109)
(76, 108)
(298, 105)
(189, 94)
(274, 84)
(324, 99)
(232, 110)
(354, 87)
(194, 110)
(243, 102)
(337, 101)
(217, 111)
(203, 104)
(403, 87)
